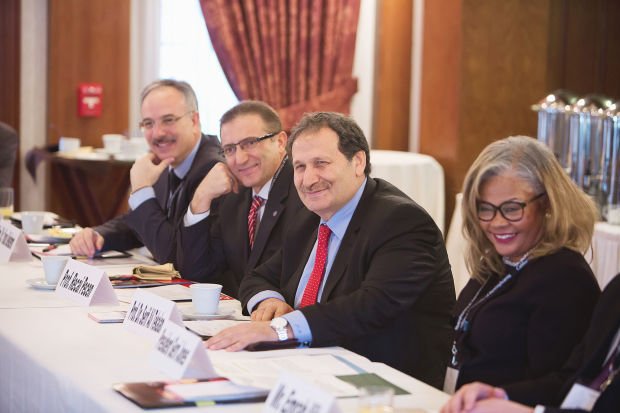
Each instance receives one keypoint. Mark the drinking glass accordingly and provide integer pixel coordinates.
(376, 399)
(6, 203)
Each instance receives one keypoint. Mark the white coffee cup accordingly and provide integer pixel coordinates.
(32, 221)
(205, 298)
(53, 266)
(612, 214)
(112, 142)
(67, 144)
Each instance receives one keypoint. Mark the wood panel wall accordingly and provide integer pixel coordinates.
(486, 62)
(9, 72)
(88, 42)
(392, 75)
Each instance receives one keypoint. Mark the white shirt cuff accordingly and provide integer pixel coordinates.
(300, 326)
(141, 195)
(263, 295)
(190, 218)
(539, 409)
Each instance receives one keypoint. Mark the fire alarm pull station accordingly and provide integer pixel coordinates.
(90, 99)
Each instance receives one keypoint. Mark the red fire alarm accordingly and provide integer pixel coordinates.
(90, 99)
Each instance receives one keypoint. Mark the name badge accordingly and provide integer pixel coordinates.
(13, 246)
(85, 284)
(148, 312)
(449, 382)
(580, 397)
(293, 394)
(180, 354)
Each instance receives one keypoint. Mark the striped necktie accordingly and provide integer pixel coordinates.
(253, 218)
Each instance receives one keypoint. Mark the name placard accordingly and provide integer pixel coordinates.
(85, 284)
(148, 312)
(180, 354)
(293, 394)
(13, 246)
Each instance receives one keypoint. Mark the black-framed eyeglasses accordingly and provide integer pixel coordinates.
(511, 210)
(167, 121)
(246, 144)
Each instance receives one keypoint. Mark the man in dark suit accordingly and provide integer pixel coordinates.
(164, 180)
(376, 281)
(217, 243)
(594, 367)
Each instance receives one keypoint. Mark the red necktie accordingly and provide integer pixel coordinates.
(253, 218)
(316, 277)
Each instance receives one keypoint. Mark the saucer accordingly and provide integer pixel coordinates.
(221, 314)
(40, 284)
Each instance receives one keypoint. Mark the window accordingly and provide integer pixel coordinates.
(186, 53)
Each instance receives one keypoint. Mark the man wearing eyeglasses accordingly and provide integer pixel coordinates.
(242, 207)
(373, 277)
(162, 181)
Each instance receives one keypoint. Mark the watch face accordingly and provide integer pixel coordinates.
(279, 322)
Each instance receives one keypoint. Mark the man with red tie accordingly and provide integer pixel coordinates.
(241, 208)
(374, 277)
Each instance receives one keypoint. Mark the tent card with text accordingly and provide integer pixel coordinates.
(85, 284)
(180, 354)
(292, 393)
(148, 312)
(13, 246)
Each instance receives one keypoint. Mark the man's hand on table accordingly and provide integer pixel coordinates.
(86, 242)
(145, 172)
(269, 309)
(239, 337)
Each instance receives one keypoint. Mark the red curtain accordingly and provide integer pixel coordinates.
(296, 55)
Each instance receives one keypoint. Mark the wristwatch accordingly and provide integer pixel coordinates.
(279, 324)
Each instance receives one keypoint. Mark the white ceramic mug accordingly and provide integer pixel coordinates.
(612, 214)
(32, 221)
(205, 298)
(53, 266)
(67, 144)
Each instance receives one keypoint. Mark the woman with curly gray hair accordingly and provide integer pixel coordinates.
(532, 293)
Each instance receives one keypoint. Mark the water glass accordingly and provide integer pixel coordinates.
(6, 203)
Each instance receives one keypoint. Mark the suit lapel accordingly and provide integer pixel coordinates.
(273, 211)
(343, 256)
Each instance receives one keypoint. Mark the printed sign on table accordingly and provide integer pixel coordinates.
(148, 312)
(85, 284)
(292, 393)
(13, 246)
(180, 354)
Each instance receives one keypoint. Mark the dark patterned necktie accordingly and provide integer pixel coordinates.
(311, 291)
(173, 188)
(253, 218)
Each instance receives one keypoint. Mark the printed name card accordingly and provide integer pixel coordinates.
(292, 393)
(85, 284)
(148, 312)
(13, 246)
(180, 354)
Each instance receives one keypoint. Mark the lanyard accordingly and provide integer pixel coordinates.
(463, 321)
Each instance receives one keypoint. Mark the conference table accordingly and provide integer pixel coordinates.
(54, 358)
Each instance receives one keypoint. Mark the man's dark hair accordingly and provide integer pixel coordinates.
(254, 107)
(351, 139)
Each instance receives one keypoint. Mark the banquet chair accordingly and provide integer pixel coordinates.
(8, 154)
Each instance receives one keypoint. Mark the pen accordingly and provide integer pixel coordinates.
(50, 247)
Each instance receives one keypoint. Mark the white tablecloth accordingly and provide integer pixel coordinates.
(53, 358)
(604, 257)
(419, 176)
(605, 260)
